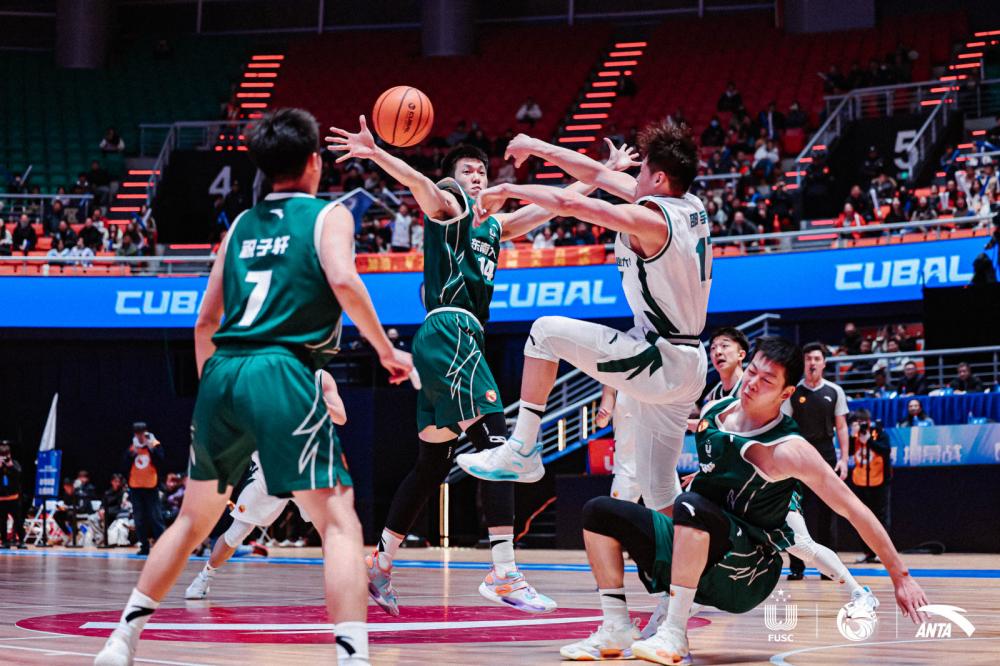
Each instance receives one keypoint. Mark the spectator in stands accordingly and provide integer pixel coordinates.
(563, 237)
(741, 226)
(915, 416)
(10, 497)
(885, 188)
(126, 247)
(713, 135)
(730, 100)
(91, 235)
(715, 214)
(112, 141)
(834, 82)
(856, 77)
(83, 489)
(458, 135)
(55, 214)
(861, 371)
(850, 219)
(979, 199)
(66, 508)
(881, 388)
(860, 202)
(923, 210)
(57, 252)
(401, 224)
(896, 213)
(142, 459)
(417, 234)
(584, 234)
(872, 165)
(543, 239)
(872, 470)
(115, 502)
(771, 121)
(961, 207)
(529, 112)
(906, 342)
(65, 233)
(16, 185)
(796, 117)
(81, 253)
(966, 382)
(99, 179)
(766, 157)
(6, 240)
(852, 339)
(913, 381)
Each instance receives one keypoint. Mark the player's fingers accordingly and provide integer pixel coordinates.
(337, 139)
(611, 146)
(337, 130)
(343, 158)
(363, 123)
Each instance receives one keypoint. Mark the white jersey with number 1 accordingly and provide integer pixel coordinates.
(668, 292)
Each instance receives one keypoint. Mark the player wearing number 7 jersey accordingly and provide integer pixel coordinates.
(273, 301)
(665, 258)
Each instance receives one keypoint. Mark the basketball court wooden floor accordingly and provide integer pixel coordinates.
(56, 605)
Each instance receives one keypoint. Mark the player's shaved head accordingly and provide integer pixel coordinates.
(281, 141)
(669, 148)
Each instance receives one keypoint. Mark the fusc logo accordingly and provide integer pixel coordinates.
(780, 617)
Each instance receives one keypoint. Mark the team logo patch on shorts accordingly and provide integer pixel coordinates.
(702, 425)
(491, 395)
(802, 398)
(242, 508)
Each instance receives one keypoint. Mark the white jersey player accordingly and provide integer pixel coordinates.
(255, 506)
(664, 255)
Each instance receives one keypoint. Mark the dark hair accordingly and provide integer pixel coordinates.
(783, 352)
(815, 346)
(734, 334)
(460, 152)
(281, 141)
(859, 415)
(670, 149)
(4, 450)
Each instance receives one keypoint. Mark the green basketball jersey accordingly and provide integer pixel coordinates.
(460, 259)
(733, 483)
(274, 288)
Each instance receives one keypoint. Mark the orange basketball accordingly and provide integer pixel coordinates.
(403, 116)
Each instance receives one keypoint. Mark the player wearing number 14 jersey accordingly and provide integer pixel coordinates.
(664, 255)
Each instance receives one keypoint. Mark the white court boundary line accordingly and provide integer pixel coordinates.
(55, 652)
(781, 659)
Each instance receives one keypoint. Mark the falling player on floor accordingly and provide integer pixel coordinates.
(723, 545)
(458, 392)
(664, 255)
(255, 506)
(275, 294)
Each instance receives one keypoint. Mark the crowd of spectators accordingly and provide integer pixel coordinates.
(894, 68)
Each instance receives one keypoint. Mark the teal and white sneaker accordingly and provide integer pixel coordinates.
(380, 587)
(514, 591)
(863, 603)
(505, 463)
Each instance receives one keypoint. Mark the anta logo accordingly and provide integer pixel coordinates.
(551, 294)
(900, 273)
(491, 395)
(157, 302)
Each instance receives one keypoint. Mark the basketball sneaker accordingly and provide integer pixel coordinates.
(605, 643)
(380, 587)
(660, 614)
(514, 591)
(512, 461)
(666, 646)
(863, 603)
(198, 589)
(119, 650)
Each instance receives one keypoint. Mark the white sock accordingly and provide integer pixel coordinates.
(209, 570)
(614, 608)
(830, 565)
(137, 612)
(388, 544)
(679, 608)
(502, 551)
(352, 640)
(529, 420)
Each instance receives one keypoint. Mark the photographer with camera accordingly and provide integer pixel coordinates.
(872, 469)
(10, 496)
(143, 459)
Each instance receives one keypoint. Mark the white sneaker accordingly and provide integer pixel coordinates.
(614, 643)
(660, 614)
(513, 590)
(504, 463)
(863, 603)
(198, 589)
(119, 650)
(667, 646)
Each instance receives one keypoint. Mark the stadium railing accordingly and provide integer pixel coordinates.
(939, 366)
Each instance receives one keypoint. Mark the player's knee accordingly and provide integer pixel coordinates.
(693, 510)
(488, 431)
(237, 533)
(598, 514)
(434, 461)
(542, 329)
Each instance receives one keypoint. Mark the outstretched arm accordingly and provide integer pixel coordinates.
(529, 217)
(435, 202)
(577, 165)
(798, 459)
(649, 226)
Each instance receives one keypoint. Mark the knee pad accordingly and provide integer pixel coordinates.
(237, 533)
(597, 514)
(536, 346)
(434, 461)
(488, 431)
(694, 511)
(429, 472)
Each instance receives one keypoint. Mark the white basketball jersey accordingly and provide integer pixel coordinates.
(668, 292)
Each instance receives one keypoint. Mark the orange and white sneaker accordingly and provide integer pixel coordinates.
(667, 646)
(514, 591)
(605, 643)
(380, 585)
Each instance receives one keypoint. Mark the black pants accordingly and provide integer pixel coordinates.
(819, 519)
(148, 514)
(12, 508)
(877, 499)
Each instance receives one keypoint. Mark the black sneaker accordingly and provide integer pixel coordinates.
(796, 575)
(21, 546)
